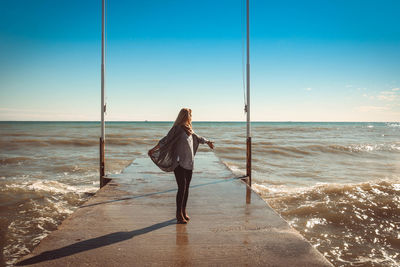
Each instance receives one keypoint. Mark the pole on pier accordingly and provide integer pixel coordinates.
(248, 135)
(102, 138)
(102, 161)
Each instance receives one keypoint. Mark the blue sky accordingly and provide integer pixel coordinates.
(310, 60)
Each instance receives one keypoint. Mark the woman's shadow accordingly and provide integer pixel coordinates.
(93, 243)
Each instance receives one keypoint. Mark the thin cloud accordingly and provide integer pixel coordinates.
(308, 89)
(388, 95)
(368, 96)
(371, 108)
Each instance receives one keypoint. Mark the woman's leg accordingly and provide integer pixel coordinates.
(180, 180)
(188, 178)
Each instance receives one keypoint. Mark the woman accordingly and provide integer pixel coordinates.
(175, 152)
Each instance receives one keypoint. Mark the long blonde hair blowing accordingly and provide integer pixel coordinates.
(184, 119)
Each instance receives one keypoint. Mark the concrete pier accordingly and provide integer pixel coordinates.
(131, 222)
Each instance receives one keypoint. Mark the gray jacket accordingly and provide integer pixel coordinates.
(165, 157)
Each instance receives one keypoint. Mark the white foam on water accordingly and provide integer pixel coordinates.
(40, 215)
(234, 169)
(393, 124)
(260, 188)
(315, 221)
(50, 186)
(335, 218)
(374, 147)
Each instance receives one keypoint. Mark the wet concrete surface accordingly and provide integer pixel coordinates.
(131, 222)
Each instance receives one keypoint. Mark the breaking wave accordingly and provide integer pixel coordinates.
(351, 224)
(39, 207)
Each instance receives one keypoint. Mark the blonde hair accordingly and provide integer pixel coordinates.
(184, 119)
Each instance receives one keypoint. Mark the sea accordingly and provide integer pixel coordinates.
(337, 183)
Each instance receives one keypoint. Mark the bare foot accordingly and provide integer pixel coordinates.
(181, 221)
(187, 218)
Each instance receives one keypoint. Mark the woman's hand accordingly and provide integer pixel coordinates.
(210, 144)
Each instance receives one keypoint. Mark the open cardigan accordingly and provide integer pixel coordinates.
(165, 156)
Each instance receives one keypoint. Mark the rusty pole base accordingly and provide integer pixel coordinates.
(248, 170)
(102, 161)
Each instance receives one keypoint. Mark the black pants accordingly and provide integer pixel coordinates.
(183, 178)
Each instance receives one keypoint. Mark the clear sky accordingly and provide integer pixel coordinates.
(317, 60)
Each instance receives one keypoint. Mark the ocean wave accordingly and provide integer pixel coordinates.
(67, 169)
(24, 143)
(230, 149)
(282, 150)
(237, 157)
(48, 186)
(354, 148)
(237, 153)
(132, 141)
(393, 124)
(346, 222)
(290, 129)
(13, 160)
(334, 148)
(279, 152)
(263, 143)
(130, 136)
(38, 206)
(236, 170)
(7, 134)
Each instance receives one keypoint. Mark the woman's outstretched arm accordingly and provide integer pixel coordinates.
(202, 140)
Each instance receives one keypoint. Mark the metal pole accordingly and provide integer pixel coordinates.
(248, 141)
(102, 139)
